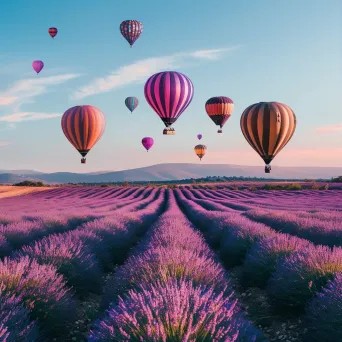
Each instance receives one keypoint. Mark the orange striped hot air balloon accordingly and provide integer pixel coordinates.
(268, 127)
(200, 151)
(83, 126)
(219, 109)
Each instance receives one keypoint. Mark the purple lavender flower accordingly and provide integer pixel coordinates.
(300, 275)
(70, 256)
(14, 319)
(262, 259)
(163, 264)
(239, 236)
(175, 311)
(324, 313)
(42, 290)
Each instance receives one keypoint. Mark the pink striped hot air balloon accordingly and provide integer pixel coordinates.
(37, 66)
(169, 93)
(147, 142)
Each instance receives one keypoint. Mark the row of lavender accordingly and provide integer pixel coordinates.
(43, 282)
(318, 226)
(172, 288)
(25, 221)
(295, 272)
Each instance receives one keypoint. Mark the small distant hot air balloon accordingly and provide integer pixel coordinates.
(131, 30)
(268, 127)
(83, 126)
(53, 32)
(200, 151)
(199, 136)
(147, 142)
(169, 93)
(219, 109)
(131, 103)
(37, 66)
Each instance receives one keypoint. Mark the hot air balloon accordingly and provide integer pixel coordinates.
(268, 127)
(200, 150)
(53, 32)
(83, 126)
(131, 30)
(219, 109)
(37, 66)
(131, 103)
(199, 136)
(147, 142)
(169, 93)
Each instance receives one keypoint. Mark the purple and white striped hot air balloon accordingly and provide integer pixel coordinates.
(169, 93)
(37, 66)
(147, 142)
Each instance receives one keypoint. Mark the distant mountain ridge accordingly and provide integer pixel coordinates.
(173, 171)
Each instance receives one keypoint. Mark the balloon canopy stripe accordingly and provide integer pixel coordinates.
(131, 30)
(200, 150)
(169, 94)
(268, 127)
(219, 109)
(53, 31)
(83, 126)
(131, 103)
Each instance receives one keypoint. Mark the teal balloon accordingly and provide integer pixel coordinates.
(131, 103)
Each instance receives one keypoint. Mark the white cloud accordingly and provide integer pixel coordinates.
(4, 143)
(139, 71)
(25, 90)
(27, 116)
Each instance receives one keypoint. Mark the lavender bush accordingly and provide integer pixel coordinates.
(175, 311)
(324, 313)
(42, 290)
(71, 257)
(238, 237)
(14, 319)
(300, 275)
(262, 259)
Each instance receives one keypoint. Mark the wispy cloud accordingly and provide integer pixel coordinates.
(24, 90)
(28, 116)
(140, 70)
(329, 129)
(4, 143)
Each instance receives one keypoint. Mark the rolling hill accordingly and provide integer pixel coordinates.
(164, 172)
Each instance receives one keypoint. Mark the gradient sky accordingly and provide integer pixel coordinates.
(256, 50)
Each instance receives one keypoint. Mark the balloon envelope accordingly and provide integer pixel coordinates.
(131, 103)
(147, 142)
(83, 126)
(53, 31)
(219, 109)
(268, 127)
(169, 93)
(199, 136)
(200, 150)
(131, 30)
(37, 66)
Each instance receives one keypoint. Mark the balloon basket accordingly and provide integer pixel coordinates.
(83, 161)
(169, 131)
(219, 131)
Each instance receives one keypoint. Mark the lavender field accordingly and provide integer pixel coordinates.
(188, 263)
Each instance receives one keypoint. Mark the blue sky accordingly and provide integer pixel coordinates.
(255, 50)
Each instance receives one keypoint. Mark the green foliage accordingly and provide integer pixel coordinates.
(315, 186)
(31, 183)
